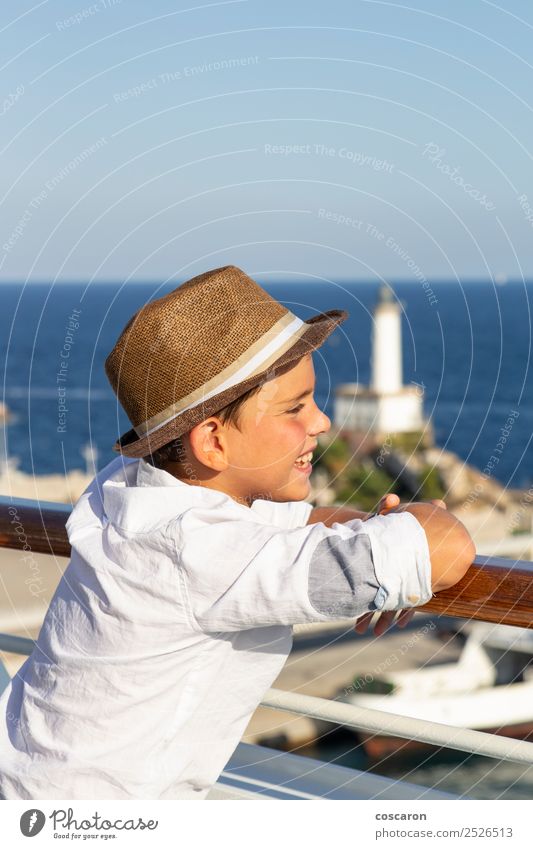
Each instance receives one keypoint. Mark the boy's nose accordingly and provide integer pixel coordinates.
(322, 423)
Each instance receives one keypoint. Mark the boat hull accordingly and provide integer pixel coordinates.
(378, 746)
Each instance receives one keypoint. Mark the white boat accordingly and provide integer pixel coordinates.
(489, 688)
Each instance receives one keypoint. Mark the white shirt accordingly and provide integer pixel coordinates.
(171, 621)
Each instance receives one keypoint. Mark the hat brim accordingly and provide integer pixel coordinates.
(319, 327)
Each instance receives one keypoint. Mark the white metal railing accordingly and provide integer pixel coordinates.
(394, 725)
(16, 645)
(368, 719)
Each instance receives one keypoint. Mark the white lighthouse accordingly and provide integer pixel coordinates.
(386, 406)
(386, 345)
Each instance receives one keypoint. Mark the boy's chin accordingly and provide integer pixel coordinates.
(296, 491)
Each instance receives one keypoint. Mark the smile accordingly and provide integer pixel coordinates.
(303, 463)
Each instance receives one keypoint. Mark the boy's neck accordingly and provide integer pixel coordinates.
(176, 470)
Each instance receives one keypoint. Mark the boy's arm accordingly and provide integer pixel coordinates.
(330, 515)
(451, 548)
(240, 574)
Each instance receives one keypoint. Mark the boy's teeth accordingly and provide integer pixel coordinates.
(305, 459)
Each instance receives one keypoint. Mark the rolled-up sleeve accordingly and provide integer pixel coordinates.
(401, 560)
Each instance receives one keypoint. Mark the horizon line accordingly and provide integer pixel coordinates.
(309, 281)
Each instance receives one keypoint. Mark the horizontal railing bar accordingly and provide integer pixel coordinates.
(381, 722)
(494, 589)
(43, 506)
(16, 645)
(39, 525)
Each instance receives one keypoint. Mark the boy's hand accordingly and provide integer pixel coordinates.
(386, 503)
(391, 501)
(383, 623)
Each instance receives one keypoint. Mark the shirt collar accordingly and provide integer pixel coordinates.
(139, 496)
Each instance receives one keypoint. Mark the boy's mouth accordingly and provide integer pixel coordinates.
(303, 462)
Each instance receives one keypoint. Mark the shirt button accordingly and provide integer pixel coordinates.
(380, 598)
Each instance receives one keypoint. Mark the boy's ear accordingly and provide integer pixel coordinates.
(209, 445)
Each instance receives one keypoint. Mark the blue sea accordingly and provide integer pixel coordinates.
(469, 347)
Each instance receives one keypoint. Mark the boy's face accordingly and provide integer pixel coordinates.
(277, 425)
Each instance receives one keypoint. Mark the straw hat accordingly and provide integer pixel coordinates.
(185, 356)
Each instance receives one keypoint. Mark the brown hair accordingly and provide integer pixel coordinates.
(173, 451)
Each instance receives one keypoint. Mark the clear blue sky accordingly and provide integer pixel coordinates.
(345, 140)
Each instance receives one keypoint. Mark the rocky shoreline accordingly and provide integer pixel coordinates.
(357, 468)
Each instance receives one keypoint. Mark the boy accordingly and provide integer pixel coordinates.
(195, 552)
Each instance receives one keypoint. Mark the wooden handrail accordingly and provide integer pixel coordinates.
(36, 524)
(494, 589)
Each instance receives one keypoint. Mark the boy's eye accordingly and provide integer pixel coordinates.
(296, 409)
